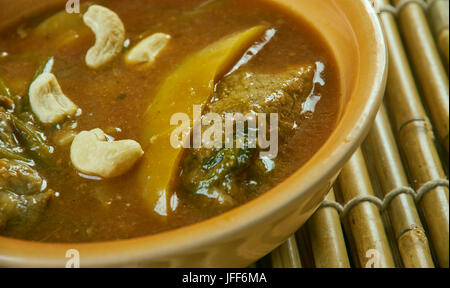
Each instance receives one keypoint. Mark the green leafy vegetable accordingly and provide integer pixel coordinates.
(221, 164)
(13, 156)
(45, 67)
(122, 96)
(33, 139)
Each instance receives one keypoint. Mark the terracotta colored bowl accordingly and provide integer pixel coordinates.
(243, 235)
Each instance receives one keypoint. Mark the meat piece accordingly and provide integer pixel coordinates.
(220, 174)
(19, 178)
(21, 197)
(282, 93)
(19, 213)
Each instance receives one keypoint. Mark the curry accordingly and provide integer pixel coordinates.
(87, 102)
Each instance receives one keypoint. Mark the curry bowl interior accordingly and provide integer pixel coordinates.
(249, 232)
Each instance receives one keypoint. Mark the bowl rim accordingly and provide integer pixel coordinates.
(207, 231)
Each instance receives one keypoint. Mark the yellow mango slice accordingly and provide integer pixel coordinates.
(58, 24)
(63, 28)
(192, 83)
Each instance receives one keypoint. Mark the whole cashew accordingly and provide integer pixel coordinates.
(91, 153)
(48, 101)
(148, 49)
(109, 35)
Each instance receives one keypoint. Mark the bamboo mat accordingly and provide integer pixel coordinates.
(390, 205)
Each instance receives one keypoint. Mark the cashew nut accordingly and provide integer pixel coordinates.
(91, 153)
(48, 101)
(148, 49)
(109, 33)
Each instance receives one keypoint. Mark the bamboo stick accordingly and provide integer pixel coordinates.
(287, 255)
(326, 237)
(428, 66)
(422, 169)
(409, 233)
(415, 139)
(438, 16)
(304, 247)
(443, 42)
(363, 221)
